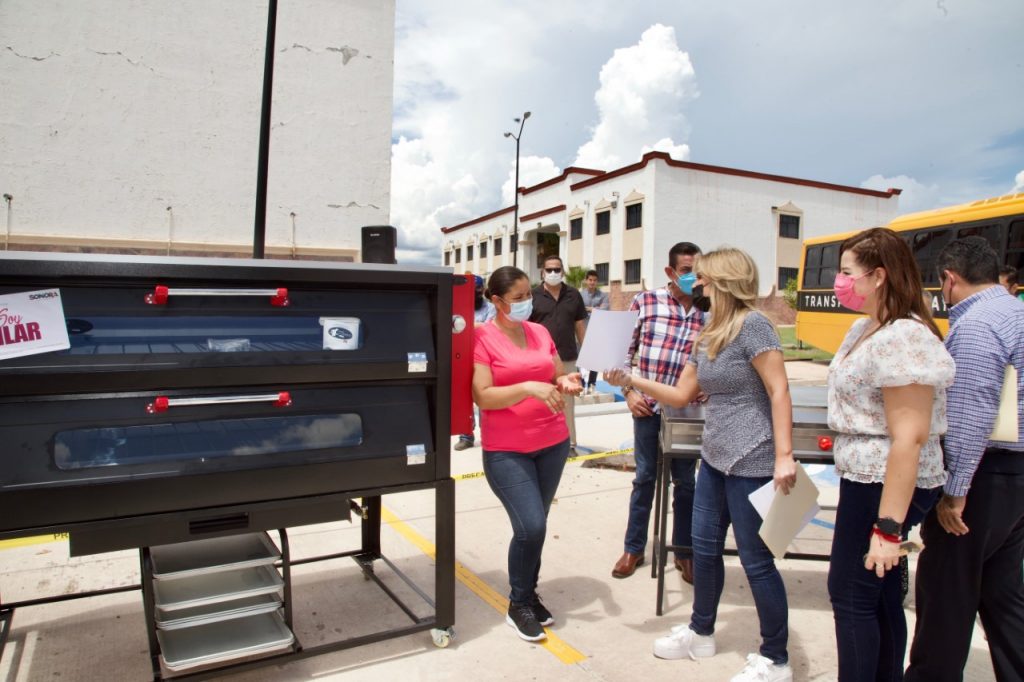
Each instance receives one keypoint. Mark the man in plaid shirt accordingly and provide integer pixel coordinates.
(662, 342)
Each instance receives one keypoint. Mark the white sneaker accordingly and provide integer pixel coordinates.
(684, 642)
(761, 669)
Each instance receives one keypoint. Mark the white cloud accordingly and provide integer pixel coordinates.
(915, 196)
(532, 169)
(450, 162)
(644, 90)
(1018, 184)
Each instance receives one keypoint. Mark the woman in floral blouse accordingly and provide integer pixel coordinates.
(887, 400)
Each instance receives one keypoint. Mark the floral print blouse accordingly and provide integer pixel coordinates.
(901, 353)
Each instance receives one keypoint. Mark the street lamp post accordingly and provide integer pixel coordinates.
(515, 214)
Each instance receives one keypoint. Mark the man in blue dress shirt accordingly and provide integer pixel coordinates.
(974, 538)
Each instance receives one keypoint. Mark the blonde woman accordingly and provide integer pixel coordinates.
(748, 433)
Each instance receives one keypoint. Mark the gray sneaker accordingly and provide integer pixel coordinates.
(541, 612)
(463, 444)
(522, 619)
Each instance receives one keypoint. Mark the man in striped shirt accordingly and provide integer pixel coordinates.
(662, 342)
(974, 538)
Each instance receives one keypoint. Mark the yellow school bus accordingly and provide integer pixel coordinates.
(822, 322)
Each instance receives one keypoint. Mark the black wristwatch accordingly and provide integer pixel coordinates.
(889, 526)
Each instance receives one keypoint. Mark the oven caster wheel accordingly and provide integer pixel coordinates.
(442, 636)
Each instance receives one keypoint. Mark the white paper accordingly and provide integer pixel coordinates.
(607, 339)
(785, 515)
(1006, 427)
(32, 322)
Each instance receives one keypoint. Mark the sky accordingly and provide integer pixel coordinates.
(924, 95)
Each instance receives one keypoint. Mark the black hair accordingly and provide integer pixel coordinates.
(682, 249)
(556, 257)
(973, 258)
(591, 273)
(1010, 273)
(503, 279)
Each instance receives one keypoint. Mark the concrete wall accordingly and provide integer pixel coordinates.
(714, 209)
(137, 122)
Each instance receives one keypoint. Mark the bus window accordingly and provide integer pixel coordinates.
(812, 263)
(926, 248)
(829, 266)
(988, 232)
(1015, 236)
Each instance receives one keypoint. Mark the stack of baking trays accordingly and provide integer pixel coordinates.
(212, 400)
(218, 600)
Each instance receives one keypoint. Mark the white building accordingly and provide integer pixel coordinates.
(134, 126)
(623, 222)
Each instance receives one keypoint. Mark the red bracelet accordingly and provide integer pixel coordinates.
(895, 539)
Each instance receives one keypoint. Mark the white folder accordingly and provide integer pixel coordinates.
(1007, 428)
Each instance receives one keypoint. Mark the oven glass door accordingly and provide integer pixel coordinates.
(114, 438)
(115, 330)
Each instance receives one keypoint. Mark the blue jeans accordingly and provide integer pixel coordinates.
(526, 484)
(871, 627)
(721, 499)
(645, 452)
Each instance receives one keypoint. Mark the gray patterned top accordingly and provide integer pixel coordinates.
(738, 436)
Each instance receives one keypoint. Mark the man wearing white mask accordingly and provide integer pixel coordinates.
(559, 308)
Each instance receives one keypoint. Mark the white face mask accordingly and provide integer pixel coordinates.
(553, 278)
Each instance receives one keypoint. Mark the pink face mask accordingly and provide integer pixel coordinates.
(843, 288)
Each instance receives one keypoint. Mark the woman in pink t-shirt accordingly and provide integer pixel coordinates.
(518, 382)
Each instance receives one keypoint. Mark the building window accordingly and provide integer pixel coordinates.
(447, 258)
(634, 216)
(785, 275)
(576, 228)
(469, 253)
(632, 272)
(497, 246)
(789, 226)
(458, 255)
(604, 222)
(602, 273)
(483, 249)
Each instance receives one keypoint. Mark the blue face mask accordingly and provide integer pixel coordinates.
(520, 310)
(685, 282)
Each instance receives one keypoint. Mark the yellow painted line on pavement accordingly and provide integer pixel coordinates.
(35, 540)
(553, 643)
(574, 458)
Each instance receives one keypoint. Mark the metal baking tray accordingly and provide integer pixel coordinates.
(224, 641)
(186, 559)
(214, 613)
(215, 588)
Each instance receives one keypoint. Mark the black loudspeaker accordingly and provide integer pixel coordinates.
(379, 242)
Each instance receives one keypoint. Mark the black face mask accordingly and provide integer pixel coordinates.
(700, 301)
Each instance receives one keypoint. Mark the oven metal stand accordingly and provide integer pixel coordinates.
(440, 624)
(662, 547)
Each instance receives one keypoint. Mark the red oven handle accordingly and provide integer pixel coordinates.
(160, 294)
(162, 403)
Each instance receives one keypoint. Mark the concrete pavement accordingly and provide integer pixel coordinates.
(604, 630)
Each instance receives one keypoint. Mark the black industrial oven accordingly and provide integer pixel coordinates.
(204, 398)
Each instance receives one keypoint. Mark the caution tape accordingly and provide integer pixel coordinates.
(574, 458)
